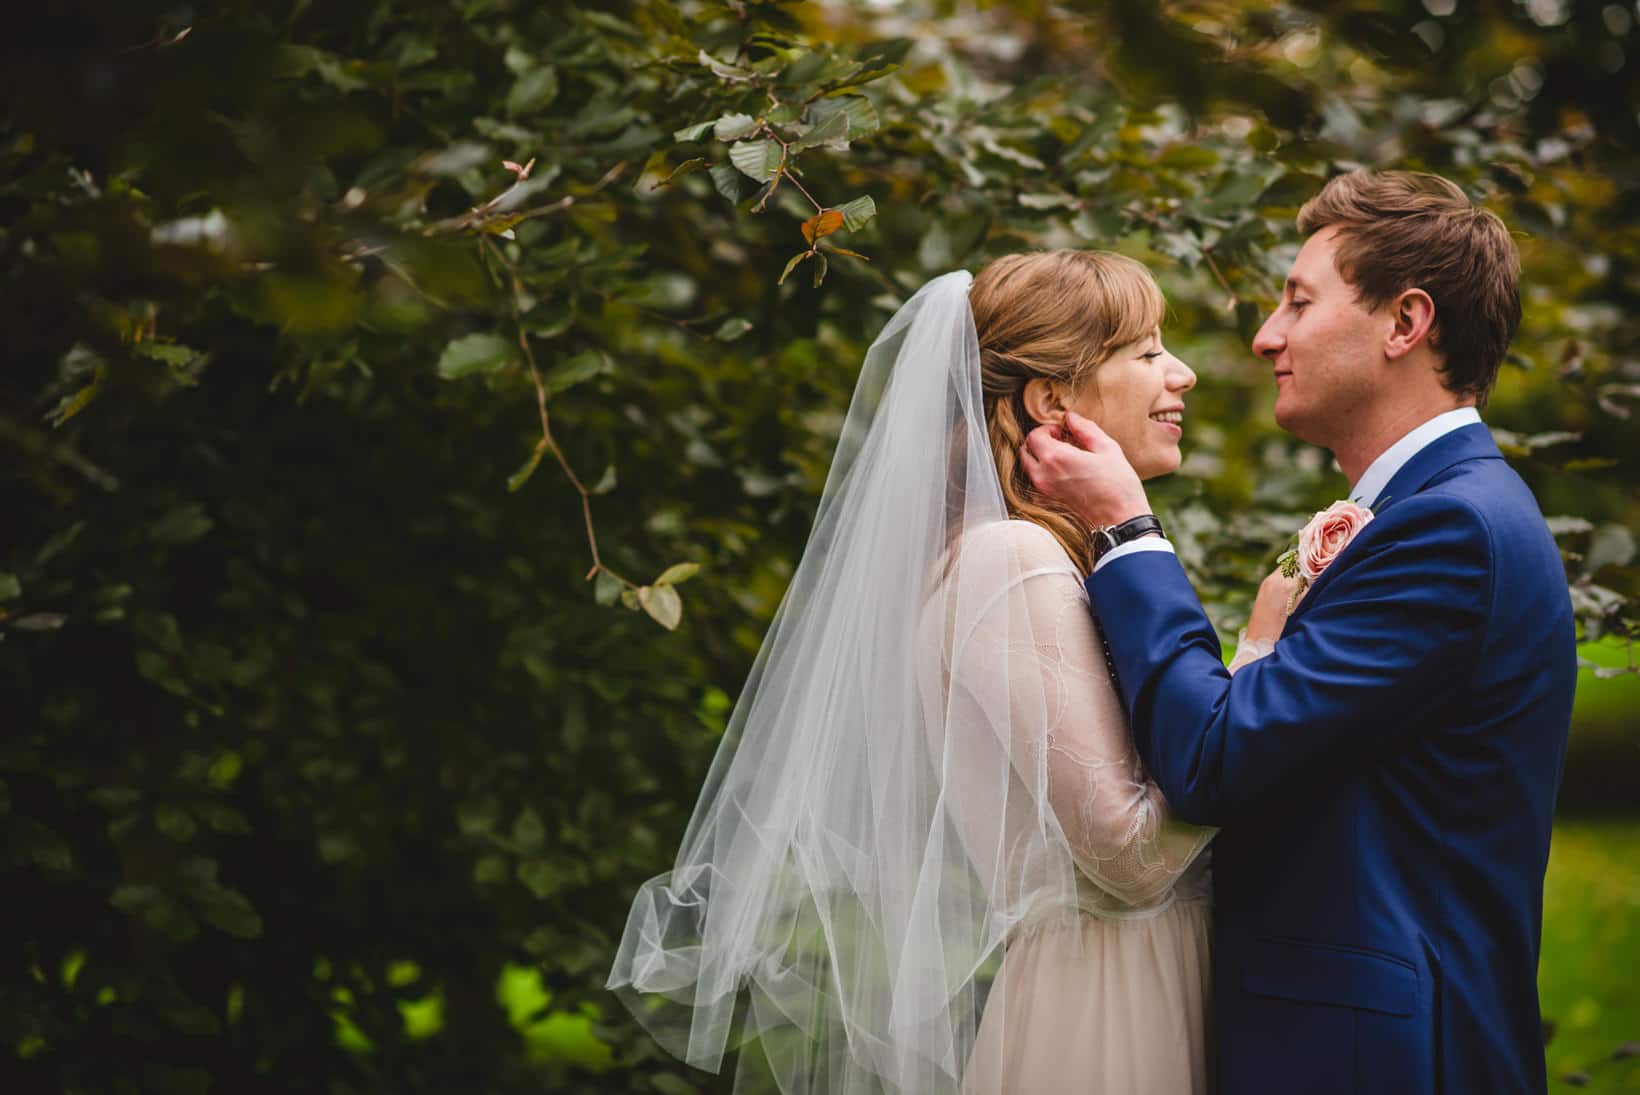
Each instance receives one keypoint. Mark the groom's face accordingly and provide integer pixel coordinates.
(1325, 349)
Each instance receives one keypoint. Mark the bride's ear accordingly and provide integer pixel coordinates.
(1043, 402)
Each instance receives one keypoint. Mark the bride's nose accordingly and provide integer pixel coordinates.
(1181, 378)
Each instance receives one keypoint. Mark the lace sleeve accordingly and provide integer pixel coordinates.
(1068, 724)
(1249, 651)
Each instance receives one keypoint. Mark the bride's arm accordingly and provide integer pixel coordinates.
(1277, 597)
(1069, 732)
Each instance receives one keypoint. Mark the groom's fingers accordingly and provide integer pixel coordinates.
(1085, 431)
(1032, 465)
(1040, 441)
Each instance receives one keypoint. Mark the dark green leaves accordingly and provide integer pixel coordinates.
(575, 370)
(534, 90)
(475, 353)
(757, 160)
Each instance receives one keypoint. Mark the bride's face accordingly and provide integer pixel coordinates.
(1137, 397)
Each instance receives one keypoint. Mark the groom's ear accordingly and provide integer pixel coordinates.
(1414, 314)
(1043, 401)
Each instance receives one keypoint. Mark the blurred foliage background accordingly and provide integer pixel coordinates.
(414, 408)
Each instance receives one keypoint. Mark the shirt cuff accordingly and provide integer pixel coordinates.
(1143, 543)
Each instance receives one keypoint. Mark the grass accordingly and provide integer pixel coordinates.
(1615, 701)
(1591, 936)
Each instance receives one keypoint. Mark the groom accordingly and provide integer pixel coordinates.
(1385, 779)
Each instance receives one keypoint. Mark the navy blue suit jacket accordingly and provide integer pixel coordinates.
(1385, 782)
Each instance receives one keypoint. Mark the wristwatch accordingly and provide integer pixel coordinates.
(1107, 537)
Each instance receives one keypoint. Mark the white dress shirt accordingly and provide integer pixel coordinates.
(1393, 459)
(1366, 490)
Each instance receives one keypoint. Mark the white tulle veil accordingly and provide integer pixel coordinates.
(871, 830)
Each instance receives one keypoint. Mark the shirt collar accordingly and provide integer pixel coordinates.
(1378, 474)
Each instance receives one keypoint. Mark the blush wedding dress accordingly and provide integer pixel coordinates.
(1112, 995)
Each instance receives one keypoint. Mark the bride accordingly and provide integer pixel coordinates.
(926, 858)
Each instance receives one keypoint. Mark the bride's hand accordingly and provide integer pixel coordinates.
(1277, 597)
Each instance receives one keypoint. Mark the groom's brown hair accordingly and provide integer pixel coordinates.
(1401, 230)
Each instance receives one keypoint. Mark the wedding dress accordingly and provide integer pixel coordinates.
(926, 860)
(1112, 996)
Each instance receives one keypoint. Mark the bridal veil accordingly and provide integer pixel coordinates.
(873, 826)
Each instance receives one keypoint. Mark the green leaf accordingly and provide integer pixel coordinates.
(10, 587)
(693, 132)
(582, 367)
(175, 822)
(528, 832)
(728, 181)
(1048, 201)
(539, 877)
(606, 481)
(731, 329)
(230, 911)
(169, 352)
(858, 213)
(477, 816)
(683, 169)
(133, 897)
(756, 159)
(490, 870)
(662, 603)
(725, 71)
(606, 588)
(1611, 545)
(475, 353)
(821, 265)
(551, 320)
(793, 264)
(453, 159)
(518, 478)
(862, 115)
(1568, 525)
(677, 572)
(181, 525)
(532, 91)
(1188, 157)
(832, 130)
(71, 405)
(294, 62)
(734, 127)
(221, 819)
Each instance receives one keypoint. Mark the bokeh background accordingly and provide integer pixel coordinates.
(385, 531)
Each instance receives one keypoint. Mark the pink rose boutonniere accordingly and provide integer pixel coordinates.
(1320, 541)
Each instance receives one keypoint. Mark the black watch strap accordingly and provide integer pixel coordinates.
(1110, 536)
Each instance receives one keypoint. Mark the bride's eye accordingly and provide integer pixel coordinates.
(1152, 355)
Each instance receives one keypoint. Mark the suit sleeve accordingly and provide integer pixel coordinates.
(1400, 611)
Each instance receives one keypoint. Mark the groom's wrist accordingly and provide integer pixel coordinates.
(1107, 538)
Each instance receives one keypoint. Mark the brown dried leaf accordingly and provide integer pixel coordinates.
(822, 224)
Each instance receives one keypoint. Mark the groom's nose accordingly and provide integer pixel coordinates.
(1269, 341)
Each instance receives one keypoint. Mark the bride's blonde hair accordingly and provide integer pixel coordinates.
(1056, 315)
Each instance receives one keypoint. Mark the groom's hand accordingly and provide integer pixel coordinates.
(1079, 466)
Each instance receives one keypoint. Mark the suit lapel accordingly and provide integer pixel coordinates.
(1472, 442)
